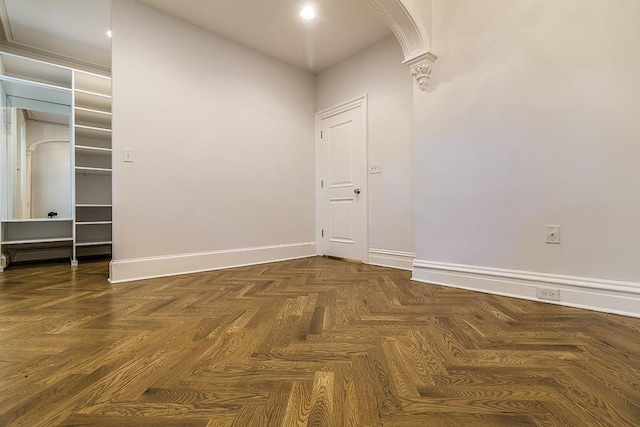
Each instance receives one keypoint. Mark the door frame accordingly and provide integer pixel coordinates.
(361, 101)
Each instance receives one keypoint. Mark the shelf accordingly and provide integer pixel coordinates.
(94, 216)
(36, 71)
(94, 222)
(93, 93)
(94, 151)
(92, 100)
(38, 231)
(92, 116)
(93, 171)
(83, 251)
(93, 158)
(103, 142)
(84, 131)
(93, 205)
(98, 113)
(31, 241)
(94, 243)
(92, 82)
(16, 221)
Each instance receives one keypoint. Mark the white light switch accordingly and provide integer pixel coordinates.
(375, 168)
(127, 155)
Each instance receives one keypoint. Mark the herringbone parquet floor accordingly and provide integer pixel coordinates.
(314, 342)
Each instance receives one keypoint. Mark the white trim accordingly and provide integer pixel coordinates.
(63, 61)
(398, 17)
(609, 296)
(394, 259)
(411, 34)
(172, 265)
(40, 85)
(318, 188)
(361, 101)
(342, 107)
(72, 165)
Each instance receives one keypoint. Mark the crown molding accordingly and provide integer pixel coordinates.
(53, 58)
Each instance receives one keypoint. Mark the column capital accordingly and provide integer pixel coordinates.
(420, 68)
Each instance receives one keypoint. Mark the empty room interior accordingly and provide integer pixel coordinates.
(323, 212)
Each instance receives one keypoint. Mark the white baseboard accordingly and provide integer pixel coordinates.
(146, 268)
(608, 296)
(394, 259)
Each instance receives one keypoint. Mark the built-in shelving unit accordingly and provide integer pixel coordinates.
(93, 163)
(54, 96)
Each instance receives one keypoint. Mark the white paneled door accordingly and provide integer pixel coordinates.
(343, 181)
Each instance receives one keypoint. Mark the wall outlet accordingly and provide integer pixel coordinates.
(552, 234)
(375, 168)
(548, 293)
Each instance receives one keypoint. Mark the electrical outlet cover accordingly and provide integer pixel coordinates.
(552, 294)
(552, 234)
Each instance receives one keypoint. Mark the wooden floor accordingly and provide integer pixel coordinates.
(313, 342)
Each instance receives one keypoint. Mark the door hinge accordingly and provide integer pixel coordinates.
(321, 135)
(321, 183)
(321, 233)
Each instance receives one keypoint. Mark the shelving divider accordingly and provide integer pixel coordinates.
(72, 140)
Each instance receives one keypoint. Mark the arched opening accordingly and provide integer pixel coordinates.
(410, 23)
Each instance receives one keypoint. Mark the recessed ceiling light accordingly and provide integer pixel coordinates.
(109, 33)
(308, 12)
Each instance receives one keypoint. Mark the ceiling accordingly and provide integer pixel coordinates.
(76, 29)
(72, 29)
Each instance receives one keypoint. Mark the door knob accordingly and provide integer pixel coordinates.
(356, 190)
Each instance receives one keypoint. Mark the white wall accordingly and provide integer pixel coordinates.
(378, 72)
(531, 118)
(223, 145)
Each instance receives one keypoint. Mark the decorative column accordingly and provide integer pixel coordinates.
(420, 68)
